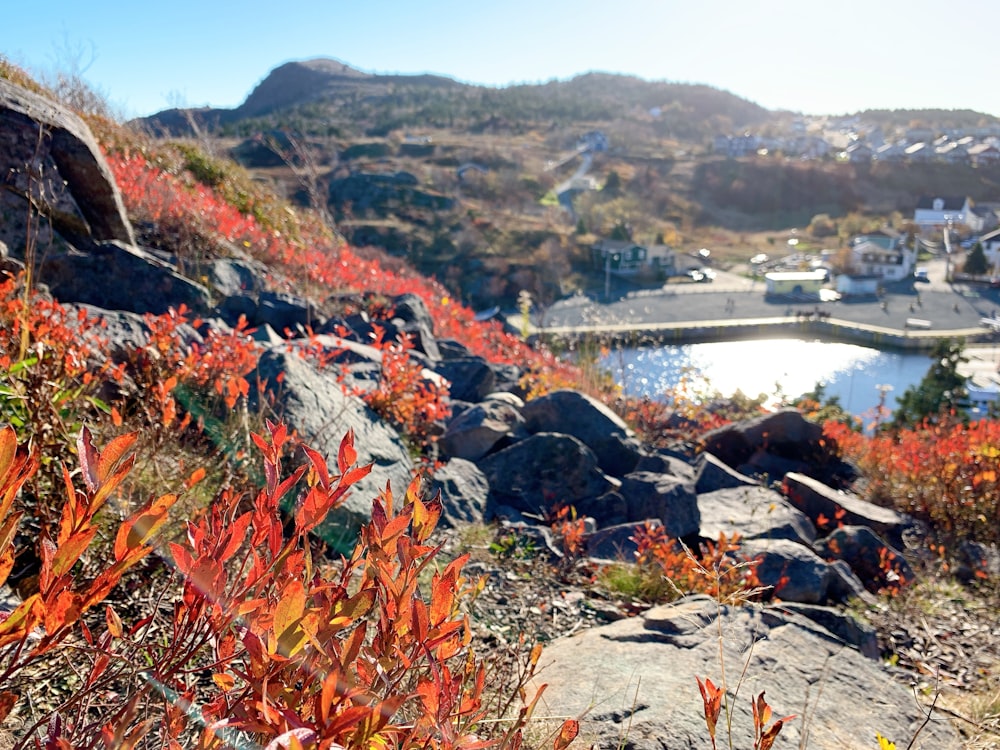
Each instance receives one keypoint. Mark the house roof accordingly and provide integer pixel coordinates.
(951, 202)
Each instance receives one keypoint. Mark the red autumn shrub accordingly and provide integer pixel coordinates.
(947, 474)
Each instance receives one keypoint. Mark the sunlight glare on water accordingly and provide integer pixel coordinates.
(774, 367)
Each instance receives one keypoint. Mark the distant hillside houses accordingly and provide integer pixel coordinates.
(748, 144)
(938, 211)
(858, 144)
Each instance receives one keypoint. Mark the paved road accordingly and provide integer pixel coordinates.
(730, 298)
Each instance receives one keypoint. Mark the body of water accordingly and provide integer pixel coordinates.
(775, 367)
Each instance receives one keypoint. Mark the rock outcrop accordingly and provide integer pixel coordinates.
(633, 682)
(51, 155)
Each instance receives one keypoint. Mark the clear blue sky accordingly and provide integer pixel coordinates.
(802, 55)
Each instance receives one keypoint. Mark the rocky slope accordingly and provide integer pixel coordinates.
(515, 461)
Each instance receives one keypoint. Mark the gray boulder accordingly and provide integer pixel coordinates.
(755, 513)
(842, 624)
(664, 463)
(36, 130)
(793, 571)
(614, 543)
(543, 471)
(464, 491)
(632, 682)
(475, 432)
(411, 316)
(713, 474)
(820, 502)
(121, 332)
(471, 378)
(661, 496)
(234, 276)
(876, 563)
(116, 276)
(594, 424)
(773, 445)
(285, 312)
(313, 403)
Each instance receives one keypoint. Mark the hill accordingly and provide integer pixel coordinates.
(496, 190)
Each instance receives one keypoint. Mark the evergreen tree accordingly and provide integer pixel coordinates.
(975, 262)
(941, 391)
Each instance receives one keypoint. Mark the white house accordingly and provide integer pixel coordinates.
(857, 285)
(936, 212)
(882, 255)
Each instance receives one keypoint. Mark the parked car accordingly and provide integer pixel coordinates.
(920, 274)
(701, 275)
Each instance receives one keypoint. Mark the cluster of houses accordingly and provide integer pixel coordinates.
(960, 149)
(852, 141)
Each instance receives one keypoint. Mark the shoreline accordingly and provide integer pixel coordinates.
(831, 329)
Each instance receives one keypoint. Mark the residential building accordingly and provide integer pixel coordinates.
(982, 154)
(936, 212)
(882, 255)
(859, 152)
(624, 258)
(919, 152)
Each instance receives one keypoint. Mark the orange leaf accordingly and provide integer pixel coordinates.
(8, 449)
(111, 457)
(25, 617)
(442, 597)
(64, 610)
(536, 654)
(767, 739)
(425, 517)
(570, 729)
(196, 476)
(137, 530)
(70, 551)
(114, 621)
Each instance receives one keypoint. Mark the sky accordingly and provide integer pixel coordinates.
(800, 55)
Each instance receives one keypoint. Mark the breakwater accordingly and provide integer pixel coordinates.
(823, 328)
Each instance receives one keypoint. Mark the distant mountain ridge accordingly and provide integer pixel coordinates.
(333, 91)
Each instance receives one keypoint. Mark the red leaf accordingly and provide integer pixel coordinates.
(7, 701)
(711, 697)
(346, 456)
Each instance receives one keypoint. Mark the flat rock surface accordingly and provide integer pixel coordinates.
(633, 682)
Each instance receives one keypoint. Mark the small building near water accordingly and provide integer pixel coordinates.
(858, 285)
(796, 283)
(631, 259)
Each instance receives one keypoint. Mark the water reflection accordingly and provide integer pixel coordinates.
(774, 367)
